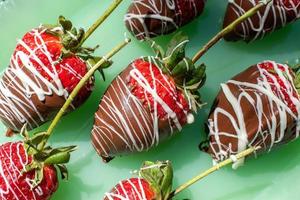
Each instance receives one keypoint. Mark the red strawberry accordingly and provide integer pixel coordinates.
(47, 64)
(28, 172)
(44, 51)
(165, 88)
(14, 184)
(155, 183)
(282, 92)
(133, 188)
(150, 100)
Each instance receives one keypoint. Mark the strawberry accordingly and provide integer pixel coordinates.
(47, 64)
(275, 15)
(155, 182)
(70, 69)
(150, 100)
(153, 18)
(133, 188)
(28, 173)
(257, 108)
(166, 90)
(282, 90)
(14, 183)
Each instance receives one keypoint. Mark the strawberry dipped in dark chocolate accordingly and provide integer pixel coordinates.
(260, 107)
(151, 100)
(46, 65)
(151, 18)
(272, 16)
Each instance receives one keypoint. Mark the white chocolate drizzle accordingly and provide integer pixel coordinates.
(156, 11)
(119, 192)
(10, 172)
(128, 120)
(277, 10)
(21, 81)
(260, 96)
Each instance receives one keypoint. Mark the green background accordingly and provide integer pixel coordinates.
(275, 175)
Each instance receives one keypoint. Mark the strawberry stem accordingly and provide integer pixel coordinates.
(215, 168)
(77, 89)
(101, 19)
(230, 28)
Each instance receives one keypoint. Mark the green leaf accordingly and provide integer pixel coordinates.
(38, 176)
(199, 77)
(59, 155)
(157, 62)
(24, 133)
(200, 70)
(63, 171)
(64, 149)
(30, 148)
(160, 176)
(80, 35)
(158, 50)
(102, 74)
(65, 24)
(58, 158)
(94, 60)
(37, 138)
(176, 50)
(183, 67)
(30, 167)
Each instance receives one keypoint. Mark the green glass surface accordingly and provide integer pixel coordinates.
(271, 176)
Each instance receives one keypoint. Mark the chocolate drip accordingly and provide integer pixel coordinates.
(275, 15)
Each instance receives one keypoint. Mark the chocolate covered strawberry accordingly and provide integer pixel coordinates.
(273, 16)
(29, 168)
(27, 173)
(151, 18)
(47, 63)
(155, 182)
(259, 107)
(152, 99)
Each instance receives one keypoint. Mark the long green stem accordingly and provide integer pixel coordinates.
(77, 89)
(215, 168)
(230, 28)
(101, 19)
(206, 47)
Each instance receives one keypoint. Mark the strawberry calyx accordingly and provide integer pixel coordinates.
(72, 40)
(296, 69)
(49, 156)
(160, 177)
(188, 77)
